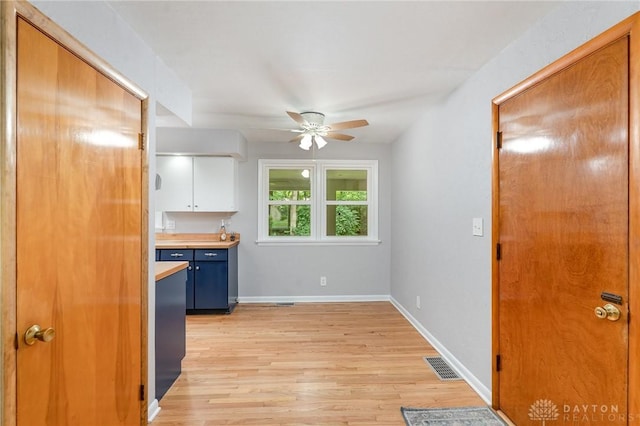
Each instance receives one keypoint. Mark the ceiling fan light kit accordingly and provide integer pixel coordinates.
(307, 142)
(313, 130)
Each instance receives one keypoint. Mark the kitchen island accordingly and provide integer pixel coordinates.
(171, 279)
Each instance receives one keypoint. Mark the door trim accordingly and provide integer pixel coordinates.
(9, 12)
(630, 27)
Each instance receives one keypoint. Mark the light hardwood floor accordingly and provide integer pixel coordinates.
(308, 364)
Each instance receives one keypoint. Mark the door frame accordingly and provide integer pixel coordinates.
(9, 12)
(630, 27)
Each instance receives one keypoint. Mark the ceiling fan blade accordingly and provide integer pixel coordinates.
(278, 130)
(348, 124)
(297, 138)
(285, 130)
(339, 136)
(297, 117)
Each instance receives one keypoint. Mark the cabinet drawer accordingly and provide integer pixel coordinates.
(170, 254)
(211, 255)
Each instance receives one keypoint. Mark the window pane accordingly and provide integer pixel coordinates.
(346, 185)
(346, 220)
(289, 184)
(289, 220)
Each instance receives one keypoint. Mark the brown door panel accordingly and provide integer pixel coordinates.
(563, 208)
(79, 239)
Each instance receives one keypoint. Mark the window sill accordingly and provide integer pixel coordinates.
(350, 242)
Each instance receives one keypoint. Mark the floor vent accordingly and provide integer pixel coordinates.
(441, 368)
(284, 304)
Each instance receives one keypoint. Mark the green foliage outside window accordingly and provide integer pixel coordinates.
(289, 219)
(289, 195)
(351, 220)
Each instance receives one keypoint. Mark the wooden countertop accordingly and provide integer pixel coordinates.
(186, 244)
(194, 241)
(164, 269)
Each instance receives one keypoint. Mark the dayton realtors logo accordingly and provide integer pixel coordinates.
(543, 410)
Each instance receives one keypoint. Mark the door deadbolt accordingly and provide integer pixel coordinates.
(35, 333)
(608, 311)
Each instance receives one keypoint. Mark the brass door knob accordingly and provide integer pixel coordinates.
(35, 333)
(608, 311)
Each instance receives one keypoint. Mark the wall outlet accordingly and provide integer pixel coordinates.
(323, 281)
(418, 302)
(170, 224)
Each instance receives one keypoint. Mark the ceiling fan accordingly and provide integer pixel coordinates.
(313, 130)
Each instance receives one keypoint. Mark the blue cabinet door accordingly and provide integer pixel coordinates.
(211, 285)
(191, 294)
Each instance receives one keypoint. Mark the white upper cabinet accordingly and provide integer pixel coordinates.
(215, 182)
(197, 184)
(176, 184)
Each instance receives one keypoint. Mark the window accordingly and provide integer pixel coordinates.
(316, 202)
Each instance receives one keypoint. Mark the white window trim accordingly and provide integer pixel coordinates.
(317, 170)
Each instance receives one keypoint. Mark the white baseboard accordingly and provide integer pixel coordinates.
(481, 389)
(315, 299)
(153, 410)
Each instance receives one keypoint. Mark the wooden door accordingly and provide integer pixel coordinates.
(564, 240)
(79, 239)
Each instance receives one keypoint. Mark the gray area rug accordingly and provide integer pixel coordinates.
(476, 416)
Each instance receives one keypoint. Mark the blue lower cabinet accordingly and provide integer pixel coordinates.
(170, 330)
(211, 285)
(212, 278)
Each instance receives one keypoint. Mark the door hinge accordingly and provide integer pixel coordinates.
(141, 392)
(498, 363)
(141, 141)
(499, 140)
(498, 251)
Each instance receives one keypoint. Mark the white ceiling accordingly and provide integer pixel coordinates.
(385, 61)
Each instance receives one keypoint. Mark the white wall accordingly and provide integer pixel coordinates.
(97, 26)
(442, 179)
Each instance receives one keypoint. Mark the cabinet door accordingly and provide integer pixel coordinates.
(191, 295)
(176, 187)
(215, 184)
(211, 285)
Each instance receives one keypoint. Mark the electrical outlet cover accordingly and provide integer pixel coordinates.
(477, 227)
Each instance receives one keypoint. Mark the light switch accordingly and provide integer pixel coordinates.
(477, 226)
